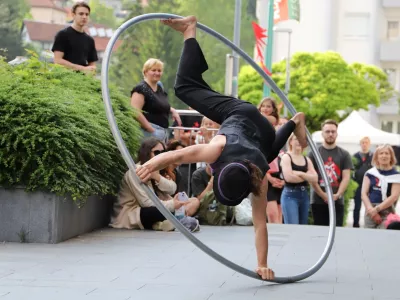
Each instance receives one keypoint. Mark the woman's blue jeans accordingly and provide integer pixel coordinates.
(295, 203)
(159, 133)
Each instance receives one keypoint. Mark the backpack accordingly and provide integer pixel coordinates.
(211, 212)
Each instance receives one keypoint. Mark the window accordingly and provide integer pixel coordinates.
(387, 126)
(392, 30)
(356, 25)
(392, 76)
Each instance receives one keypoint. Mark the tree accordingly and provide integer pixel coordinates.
(102, 14)
(155, 40)
(12, 13)
(144, 41)
(322, 85)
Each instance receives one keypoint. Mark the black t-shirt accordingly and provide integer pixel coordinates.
(78, 47)
(156, 107)
(335, 161)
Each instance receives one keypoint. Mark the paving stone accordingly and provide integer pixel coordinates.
(127, 264)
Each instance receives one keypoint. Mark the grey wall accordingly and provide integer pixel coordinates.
(48, 218)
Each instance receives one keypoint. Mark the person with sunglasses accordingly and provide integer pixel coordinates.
(135, 210)
(243, 147)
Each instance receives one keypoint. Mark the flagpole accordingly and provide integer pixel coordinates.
(268, 48)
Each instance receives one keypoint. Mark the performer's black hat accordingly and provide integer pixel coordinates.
(232, 182)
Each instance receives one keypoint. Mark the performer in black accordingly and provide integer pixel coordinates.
(240, 152)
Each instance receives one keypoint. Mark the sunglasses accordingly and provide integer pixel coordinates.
(157, 152)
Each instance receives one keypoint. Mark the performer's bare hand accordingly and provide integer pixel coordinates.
(144, 172)
(265, 273)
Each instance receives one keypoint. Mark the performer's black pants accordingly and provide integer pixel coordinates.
(196, 93)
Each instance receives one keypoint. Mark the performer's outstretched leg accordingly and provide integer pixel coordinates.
(190, 86)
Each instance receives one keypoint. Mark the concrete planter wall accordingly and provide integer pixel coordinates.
(47, 218)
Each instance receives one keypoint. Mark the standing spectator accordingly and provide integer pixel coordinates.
(73, 48)
(338, 167)
(380, 188)
(363, 160)
(268, 108)
(151, 102)
(297, 171)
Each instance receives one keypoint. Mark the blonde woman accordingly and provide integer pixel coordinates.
(151, 101)
(298, 171)
(380, 187)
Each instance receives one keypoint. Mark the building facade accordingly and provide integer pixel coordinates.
(365, 31)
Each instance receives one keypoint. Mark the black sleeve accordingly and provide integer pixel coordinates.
(60, 42)
(93, 53)
(138, 89)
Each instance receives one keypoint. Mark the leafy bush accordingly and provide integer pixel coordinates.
(54, 134)
(348, 195)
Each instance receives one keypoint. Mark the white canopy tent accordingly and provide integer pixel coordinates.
(354, 128)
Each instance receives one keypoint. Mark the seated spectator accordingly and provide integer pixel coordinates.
(135, 210)
(184, 172)
(380, 188)
(207, 131)
(202, 181)
(173, 171)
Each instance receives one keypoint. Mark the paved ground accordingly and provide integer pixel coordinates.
(121, 264)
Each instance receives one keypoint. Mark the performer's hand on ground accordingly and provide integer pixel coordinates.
(265, 273)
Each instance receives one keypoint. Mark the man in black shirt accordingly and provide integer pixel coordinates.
(73, 48)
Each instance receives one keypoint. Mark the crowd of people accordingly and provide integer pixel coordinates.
(205, 169)
(296, 189)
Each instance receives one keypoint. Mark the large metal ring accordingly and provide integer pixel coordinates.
(131, 164)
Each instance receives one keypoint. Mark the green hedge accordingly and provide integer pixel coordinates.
(54, 134)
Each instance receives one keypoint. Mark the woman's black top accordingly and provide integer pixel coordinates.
(156, 107)
(295, 167)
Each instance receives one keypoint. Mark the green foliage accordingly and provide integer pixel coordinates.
(152, 39)
(54, 135)
(12, 13)
(322, 85)
(348, 195)
(102, 14)
(144, 41)
(250, 85)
